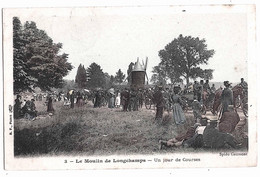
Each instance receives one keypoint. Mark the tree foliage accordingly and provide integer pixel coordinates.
(22, 80)
(37, 60)
(159, 75)
(182, 57)
(129, 70)
(207, 74)
(95, 76)
(81, 77)
(119, 77)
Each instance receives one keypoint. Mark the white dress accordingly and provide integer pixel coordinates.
(118, 100)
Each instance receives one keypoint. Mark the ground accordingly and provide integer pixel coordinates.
(95, 131)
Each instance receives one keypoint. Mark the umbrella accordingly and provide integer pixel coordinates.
(86, 90)
(70, 92)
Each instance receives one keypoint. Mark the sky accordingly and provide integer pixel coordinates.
(114, 37)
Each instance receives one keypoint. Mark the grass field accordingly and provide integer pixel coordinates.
(95, 131)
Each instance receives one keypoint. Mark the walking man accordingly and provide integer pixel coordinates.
(159, 101)
(226, 96)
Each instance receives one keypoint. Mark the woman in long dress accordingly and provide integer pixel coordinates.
(50, 105)
(178, 113)
(111, 102)
(80, 101)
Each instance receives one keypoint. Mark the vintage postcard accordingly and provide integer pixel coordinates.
(130, 87)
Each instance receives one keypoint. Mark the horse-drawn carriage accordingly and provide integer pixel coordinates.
(207, 100)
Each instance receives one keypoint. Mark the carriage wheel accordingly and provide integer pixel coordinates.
(245, 109)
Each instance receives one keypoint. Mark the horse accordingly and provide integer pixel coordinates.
(237, 91)
(208, 99)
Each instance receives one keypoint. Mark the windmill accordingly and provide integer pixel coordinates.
(138, 74)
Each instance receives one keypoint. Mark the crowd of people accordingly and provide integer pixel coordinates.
(164, 98)
(215, 132)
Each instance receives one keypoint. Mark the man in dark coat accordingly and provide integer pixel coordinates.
(206, 86)
(141, 97)
(200, 91)
(195, 89)
(197, 140)
(50, 105)
(72, 97)
(17, 107)
(98, 97)
(214, 139)
(125, 96)
(243, 84)
(229, 120)
(226, 96)
(159, 101)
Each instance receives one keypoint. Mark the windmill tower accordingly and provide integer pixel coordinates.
(138, 74)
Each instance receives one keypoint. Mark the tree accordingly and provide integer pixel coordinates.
(207, 74)
(37, 61)
(120, 76)
(22, 80)
(109, 80)
(184, 55)
(112, 80)
(81, 77)
(95, 76)
(129, 70)
(159, 75)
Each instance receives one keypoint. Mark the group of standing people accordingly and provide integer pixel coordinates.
(132, 99)
(200, 87)
(174, 99)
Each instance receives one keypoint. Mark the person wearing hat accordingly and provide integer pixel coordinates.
(17, 107)
(214, 139)
(125, 96)
(226, 96)
(243, 84)
(206, 86)
(159, 101)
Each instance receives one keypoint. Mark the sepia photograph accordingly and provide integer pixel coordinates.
(129, 87)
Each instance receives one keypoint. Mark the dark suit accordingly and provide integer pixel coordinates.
(226, 98)
(159, 101)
